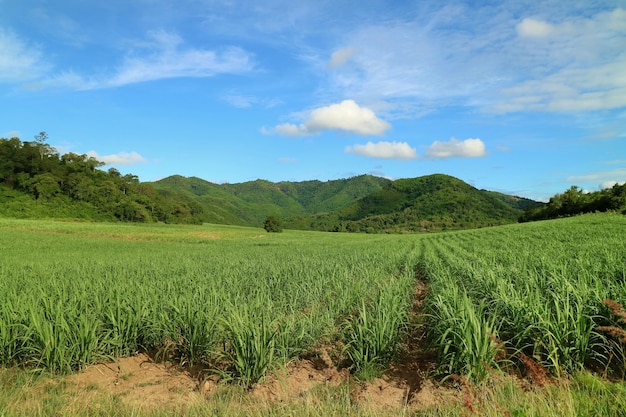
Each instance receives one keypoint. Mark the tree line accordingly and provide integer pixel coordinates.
(37, 169)
(576, 201)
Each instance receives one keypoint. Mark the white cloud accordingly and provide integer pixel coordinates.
(340, 57)
(534, 28)
(610, 184)
(454, 148)
(288, 129)
(18, 60)
(572, 61)
(570, 89)
(385, 150)
(346, 116)
(239, 100)
(579, 64)
(11, 134)
(162, 56)
(121, 158)
(611, 176)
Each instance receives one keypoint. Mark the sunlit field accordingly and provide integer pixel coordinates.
(539, 300)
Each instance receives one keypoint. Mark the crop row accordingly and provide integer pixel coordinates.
(549, 292)
(239, 303)
(235, 306)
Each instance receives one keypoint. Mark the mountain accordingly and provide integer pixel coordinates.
(432, 202)
(514, 201)
(363, 203)
(249, 203)
(36, 181)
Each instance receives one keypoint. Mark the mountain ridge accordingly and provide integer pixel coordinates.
(361, 203)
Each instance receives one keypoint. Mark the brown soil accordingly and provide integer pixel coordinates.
(142, 384)
(138, 381)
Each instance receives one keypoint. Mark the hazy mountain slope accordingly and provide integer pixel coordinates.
(516, 202)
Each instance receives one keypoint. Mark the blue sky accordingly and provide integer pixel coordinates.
(525, 97)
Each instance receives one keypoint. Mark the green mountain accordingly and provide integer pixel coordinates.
(433, 202)
(514, 201)
(249, 203)
(36, 181)
(363, 203)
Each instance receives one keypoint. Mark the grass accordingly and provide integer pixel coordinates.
(535, 289)
(582, 395)
(244, 303)
(240, 303)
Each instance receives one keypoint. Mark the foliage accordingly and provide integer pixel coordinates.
(429, 203)
(35, 181)
(539, 290)
(534, 289)
(248, 203)
(78, 185)
(575, 201)
(273, 224)
(213, 297)
(252, 336)
(373, 334)
(359, 204)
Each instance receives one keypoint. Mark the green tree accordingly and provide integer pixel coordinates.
(273, 224)
(45, 186)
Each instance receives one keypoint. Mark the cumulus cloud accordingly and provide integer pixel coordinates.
(346, 116)
(121, 158)
(11, 134)
(385, 150)
(454, 148)
(340, 57)
(163, 56)
(288, 129)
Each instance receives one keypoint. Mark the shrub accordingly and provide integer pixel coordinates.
(273, 224)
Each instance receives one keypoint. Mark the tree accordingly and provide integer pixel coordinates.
(45, 186)
(273, 224)
(44, 149)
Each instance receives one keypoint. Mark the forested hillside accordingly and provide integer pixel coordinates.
(251, 202)
(36, 181)
(432, 202)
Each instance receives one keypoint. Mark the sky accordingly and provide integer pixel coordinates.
(524, 97)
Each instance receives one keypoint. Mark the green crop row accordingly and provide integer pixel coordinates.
(239, 302)
(541, 292)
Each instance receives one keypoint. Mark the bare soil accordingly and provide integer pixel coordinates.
(143, 384)
(138, 381)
